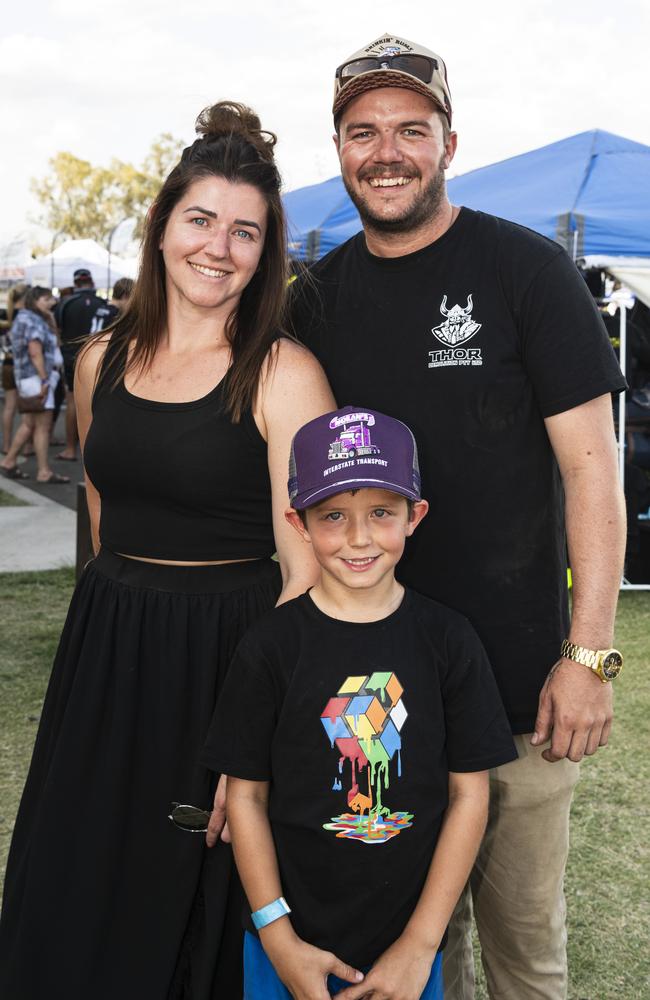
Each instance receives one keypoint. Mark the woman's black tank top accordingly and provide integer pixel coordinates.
(178, 481)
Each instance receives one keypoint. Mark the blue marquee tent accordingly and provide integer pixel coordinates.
(590, 192)
(320, 217)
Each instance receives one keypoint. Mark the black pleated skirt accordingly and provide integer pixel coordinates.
(104, 897)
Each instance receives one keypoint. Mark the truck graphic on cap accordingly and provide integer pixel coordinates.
(354, 436)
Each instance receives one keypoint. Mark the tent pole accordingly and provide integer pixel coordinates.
(61, 232)
(622, 351)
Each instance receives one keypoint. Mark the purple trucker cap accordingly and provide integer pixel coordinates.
(350, 449)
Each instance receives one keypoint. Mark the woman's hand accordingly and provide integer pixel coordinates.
(218, 825)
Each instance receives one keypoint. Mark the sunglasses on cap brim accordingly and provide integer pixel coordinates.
(421, 67)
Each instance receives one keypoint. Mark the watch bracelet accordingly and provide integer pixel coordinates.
(579, 654)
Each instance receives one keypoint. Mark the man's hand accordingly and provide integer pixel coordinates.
(401, 973)
(575, 712)
(217, 824)
(303, 968)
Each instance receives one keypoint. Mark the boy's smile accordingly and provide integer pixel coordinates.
(358, 538)
(360, 564)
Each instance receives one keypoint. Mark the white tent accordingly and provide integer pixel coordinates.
(634, 272)
(56, 269)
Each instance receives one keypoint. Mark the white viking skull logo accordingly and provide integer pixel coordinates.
(458, 326)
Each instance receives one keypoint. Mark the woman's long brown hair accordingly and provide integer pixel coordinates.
(231, 145)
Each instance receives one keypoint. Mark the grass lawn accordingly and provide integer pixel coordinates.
(33, 609)
(607, 878)
(9, 500)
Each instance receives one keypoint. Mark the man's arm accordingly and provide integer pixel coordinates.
(575, 707)
(403, 970)
(301, 967)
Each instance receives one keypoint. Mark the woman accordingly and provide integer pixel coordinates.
(15, 302)
(36, 360)
(186, 411)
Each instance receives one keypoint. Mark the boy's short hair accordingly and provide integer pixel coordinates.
(352, 448)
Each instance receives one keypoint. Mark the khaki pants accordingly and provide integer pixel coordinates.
(516, 888)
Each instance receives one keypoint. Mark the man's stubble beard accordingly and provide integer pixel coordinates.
(419, 213)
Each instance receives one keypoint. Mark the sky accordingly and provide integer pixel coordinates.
(103, 79)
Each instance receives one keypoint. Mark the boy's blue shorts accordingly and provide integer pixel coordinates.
(261, 980)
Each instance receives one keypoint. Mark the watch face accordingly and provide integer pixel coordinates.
(612, 664)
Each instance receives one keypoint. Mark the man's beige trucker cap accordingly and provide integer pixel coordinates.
(392, 62)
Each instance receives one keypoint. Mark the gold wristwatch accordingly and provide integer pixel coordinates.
(606, 663)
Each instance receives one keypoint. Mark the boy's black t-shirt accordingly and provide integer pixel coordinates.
(472, 341)
(347, 719)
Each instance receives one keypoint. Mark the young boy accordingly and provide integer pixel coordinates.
(356, 726)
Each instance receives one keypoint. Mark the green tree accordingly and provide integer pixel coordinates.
(75, 197)
(86, 201)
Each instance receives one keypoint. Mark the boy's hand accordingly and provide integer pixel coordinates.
(401, 973)
(304, 969)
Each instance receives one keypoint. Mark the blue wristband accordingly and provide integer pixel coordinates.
(272, 911)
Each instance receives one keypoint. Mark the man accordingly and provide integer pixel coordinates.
(482, 336)
(75, 316)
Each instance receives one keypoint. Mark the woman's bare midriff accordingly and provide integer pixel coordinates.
(175, 562)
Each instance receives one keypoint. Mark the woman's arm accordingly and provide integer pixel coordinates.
(293, 391)
(301, 967)
(37, 358)
(401, 973)
(85, 375)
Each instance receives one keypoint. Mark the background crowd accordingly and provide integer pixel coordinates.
(41, 337)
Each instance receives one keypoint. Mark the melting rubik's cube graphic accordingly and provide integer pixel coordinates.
(364, 721)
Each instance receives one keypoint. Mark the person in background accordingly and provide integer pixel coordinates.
(122, 292)
(108, 312)
(59, 392)
(482, 336)
(36, 363)
(15, 302)
(186, 407)
(74, 317)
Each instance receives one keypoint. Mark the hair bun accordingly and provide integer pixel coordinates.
(230, 117)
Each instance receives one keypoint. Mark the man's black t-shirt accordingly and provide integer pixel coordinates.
(75, 317)
(356, 726)
(472, 341)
